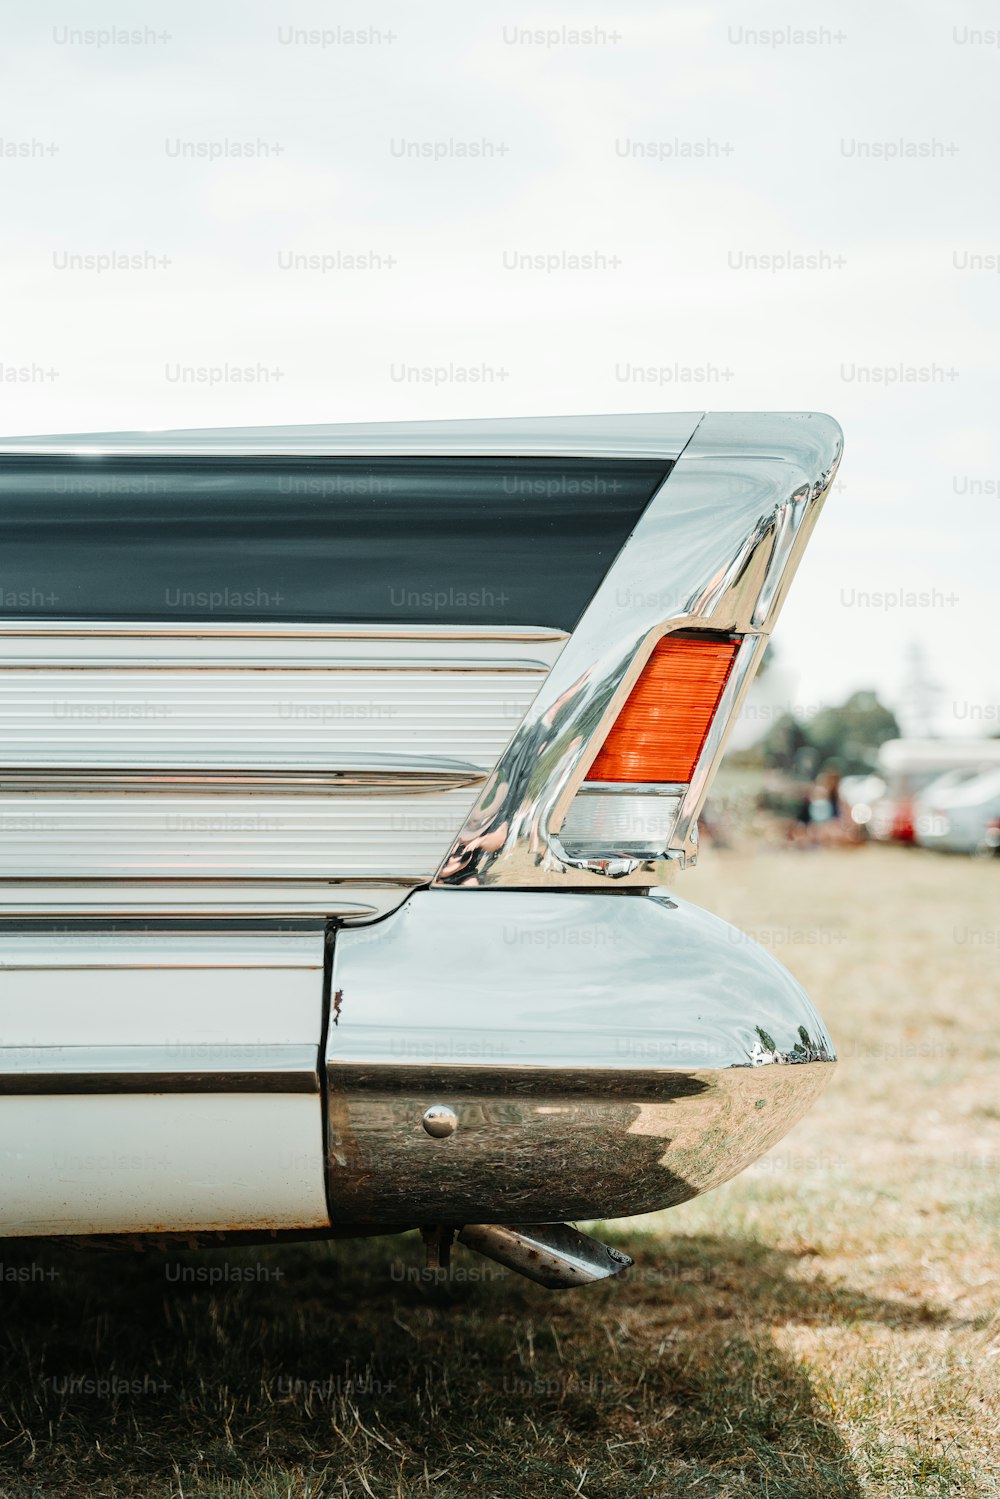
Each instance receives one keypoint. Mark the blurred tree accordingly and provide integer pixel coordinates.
(845, 738)
(783, 745)
(849, 736)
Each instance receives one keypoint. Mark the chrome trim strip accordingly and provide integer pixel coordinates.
(172, 782)
(195, 965)
(628, 788)
(347, 900)
(155, 1069)
(261, 630)
(727, 529)
(256, 928)
(512, 668)
(83, 967)
(644, 435)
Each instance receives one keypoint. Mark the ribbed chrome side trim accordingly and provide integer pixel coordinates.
(262, 720)
(153, 1069)
(248, 753)
(251, 752)
(240, 837)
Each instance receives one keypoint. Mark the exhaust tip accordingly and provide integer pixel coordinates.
(551, 1254)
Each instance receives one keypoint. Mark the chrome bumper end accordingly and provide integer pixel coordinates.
(601, 1056)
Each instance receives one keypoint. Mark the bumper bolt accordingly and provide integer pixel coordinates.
(440, 1121)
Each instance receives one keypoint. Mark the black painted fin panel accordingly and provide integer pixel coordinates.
(449, 540)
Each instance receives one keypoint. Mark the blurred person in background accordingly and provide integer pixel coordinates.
(826, 819)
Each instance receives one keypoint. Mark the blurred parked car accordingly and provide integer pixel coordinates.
(910, 766)
(960, 813)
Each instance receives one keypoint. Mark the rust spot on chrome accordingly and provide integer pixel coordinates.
(338, 1000)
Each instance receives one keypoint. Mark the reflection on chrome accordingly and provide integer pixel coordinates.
(551, 1254)
(727, 528)
(602, 1056)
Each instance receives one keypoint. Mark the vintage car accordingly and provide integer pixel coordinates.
(909, 768)
(959, 813)
(345, 773)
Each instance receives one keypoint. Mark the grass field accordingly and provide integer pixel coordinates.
(822, 1326)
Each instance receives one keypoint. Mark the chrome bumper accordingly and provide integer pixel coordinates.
(602, 1055)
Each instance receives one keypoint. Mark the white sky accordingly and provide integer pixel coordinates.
(907, 515)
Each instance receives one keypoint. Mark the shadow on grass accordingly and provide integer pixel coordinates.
(319, 1369)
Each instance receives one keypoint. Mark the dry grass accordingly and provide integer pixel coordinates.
(819, 1327)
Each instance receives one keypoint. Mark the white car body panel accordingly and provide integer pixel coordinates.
(184, 991)
(156, 1163)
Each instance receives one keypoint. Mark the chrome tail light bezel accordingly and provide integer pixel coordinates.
(726, 530)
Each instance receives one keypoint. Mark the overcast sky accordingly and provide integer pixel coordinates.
(670, 145)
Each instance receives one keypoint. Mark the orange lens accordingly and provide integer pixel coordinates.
(659, 733)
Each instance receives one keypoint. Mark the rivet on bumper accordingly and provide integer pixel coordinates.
(440, 1121)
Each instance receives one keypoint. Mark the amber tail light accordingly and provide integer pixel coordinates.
(660, 731)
